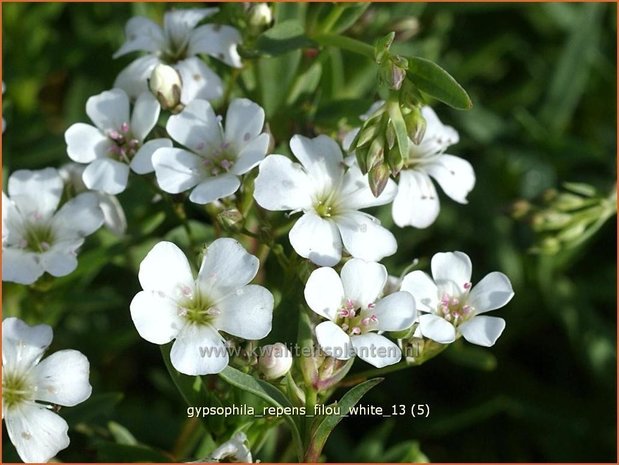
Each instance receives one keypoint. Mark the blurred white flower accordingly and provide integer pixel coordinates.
(37, 433)
(329, 194)
(114, 218)
(175, 305)
(116, 142)
(235, 450)
(275, 360)
(416, 203)
(178, 44)
(35, 237)
(452, 306)
(352, 304)
(214, 158)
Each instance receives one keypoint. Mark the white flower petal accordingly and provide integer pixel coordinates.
(196, 127)
(364, 237)
(199, 350)
(423, 289)
(252, 154)
(363, 281)
(109, 109)
(324, 292)
(134, 78)
(282, 185)
(482, 330)
(145, 115)
(376, 350)
(35, 193)
(61, 258)
(62, 378)
(492, 292)
(199, 81)
(85, 143)
(80, 216)
(244, 121)
(178, 24)
(416, 203)
(247, 313)
(317, 239)
(113, 214)
(322, 158)
(395, 312)
(20, 266)
(218, 41)
(37, 433)
(106, 175)
(455, 176)
(214, 188)
(334, 341)
(356, 193)
(23, 345)
(226, 267)
(454, 267)
(142, 162)
(141, 34)
(155, 317)
(165, 269)
(436, 328)
(177, 170)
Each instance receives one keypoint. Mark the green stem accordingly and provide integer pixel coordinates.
(345, 43)
(359, 377)
(332, 18)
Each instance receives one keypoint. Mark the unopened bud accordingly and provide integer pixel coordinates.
(276, 360)
(260, 15)
(395, 160)
(378, 177)
(415, 125)
(165, 84)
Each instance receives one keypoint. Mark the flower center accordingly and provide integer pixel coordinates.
(220, 160)
(326, 206)
(196, 308)
(455, 309)
(16, 388)
(354, 320)
(38, 236)
(125, 144)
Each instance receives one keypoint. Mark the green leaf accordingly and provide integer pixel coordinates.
(121, 434)
(401, 133)
(349, 17)
(438, 83)
(190, 387)
(266, 392)
(112, 452)
(284, 37)
(324, 425)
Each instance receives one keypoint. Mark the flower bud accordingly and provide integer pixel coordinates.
(276, 360)
(378, 177)
(415, 125)
(165, 84)
(260, 15)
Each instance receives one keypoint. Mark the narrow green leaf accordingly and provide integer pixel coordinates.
(323, 426)
(190, 387)
(350, 16)
(266, 392)
(438, 83)
(284, 37)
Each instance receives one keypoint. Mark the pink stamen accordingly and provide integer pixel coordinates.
(365, 321)
(356, 330)
(374, 319)
(454, 301)
(467, 286)
(124, 127)
(371, 306)
(226, 164)
(114, 135)
(213, 311)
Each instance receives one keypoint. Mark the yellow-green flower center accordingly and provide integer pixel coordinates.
(16, 388)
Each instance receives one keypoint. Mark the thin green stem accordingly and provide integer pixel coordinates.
(332, 18)
(345, 43)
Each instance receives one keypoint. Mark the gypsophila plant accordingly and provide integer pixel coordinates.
(259, 274)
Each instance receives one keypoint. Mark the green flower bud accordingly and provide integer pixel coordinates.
(378, 177)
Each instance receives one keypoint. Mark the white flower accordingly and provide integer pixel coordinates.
(235, 450)
(452, 306)
(175, 305)
(114, 218)
(178, 44)
(330, 196)
(37, 238)
(275, 360)
(213, 159)
(356, 312)
(37, 433)
(116, 141)
(416, 203)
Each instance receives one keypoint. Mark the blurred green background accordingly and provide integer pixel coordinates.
(543, 81)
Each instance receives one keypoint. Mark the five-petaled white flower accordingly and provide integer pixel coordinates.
(452, 306)
(37, 433)
(178, 44)
(416, 203)
(175, 305)
(35, 237)
(116, 142)
(330, 196)
(214, 158)
(356, 312)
